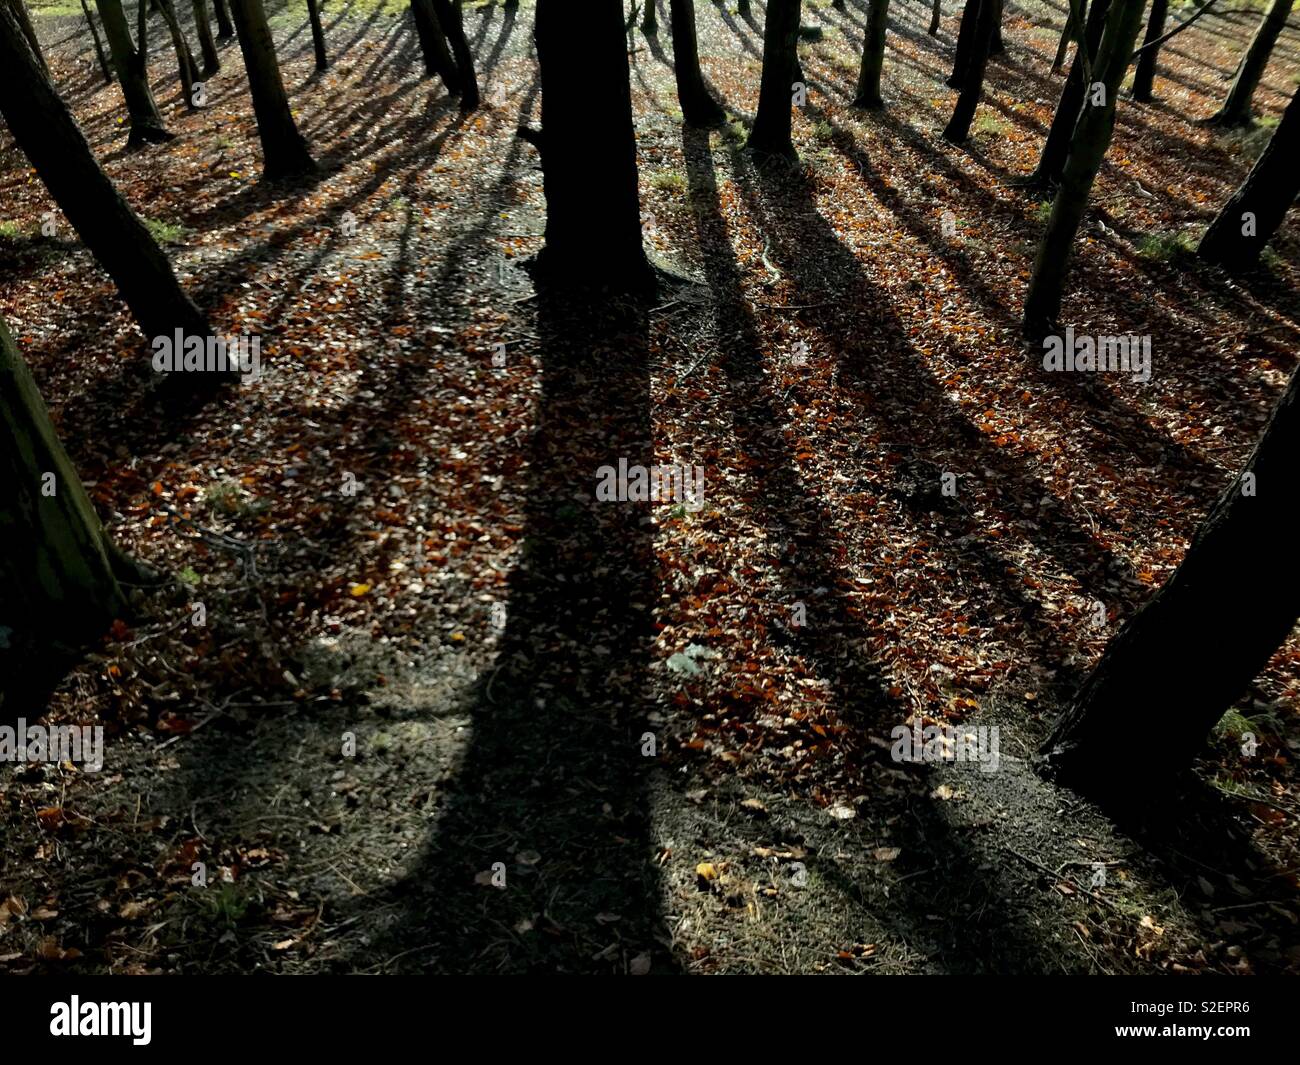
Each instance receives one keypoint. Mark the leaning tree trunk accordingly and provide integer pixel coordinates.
(933, 31)
(24, 20)
(54, 145)
(1056, 148)
(225, 28)
(1145, 76)
(1087, 149)
(965, 45)
(1068, 33)
(770, 135)
(187, 70)
(433, 45)
(593, 213)
(99, 47)
(58, 584)
(1177, 665)
(699, 108)
(1255, 211)
(317, 35)
(1236, 109)
(130, 63)
(973, 81)
(284, 152)
(873, 57)
(207, 46)
(452, 21)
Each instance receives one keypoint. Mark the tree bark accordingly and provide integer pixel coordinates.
(451, 19)
(54, 145)
(1145, 75)
(99, 47)
(650, 20)
(1068, 33)
(1087, 149)
(57, 579)
(1056, 148)
(129, 62)
(225, 28)
(699, 108)
(24, 20)
(207, 46)
(1255, 211)
(873, 57)
(433, 45)
(284, 152)
(770, 135)
(317, 35)
(973, 82)
(1180, 661)
(965, 43)
(588, 149)
(1236, 109)
(935, 14)
(186, 69)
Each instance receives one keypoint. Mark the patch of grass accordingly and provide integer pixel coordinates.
(229, 498)
(1042, 212)
(668, 181)
(1162, 246)
(1232, 726)
(11, 231)
(823, 131)
(991, 124)
(166, 232)
(1251, 140)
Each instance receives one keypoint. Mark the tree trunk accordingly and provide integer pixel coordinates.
(207, 46)
(973, 83)
(699, 108)
(1255, 211)
(24, 21)
(433, 45)
(965, 43)
(225, 28)
(1145, 75)
(57, 579)
(1088, 147)
(99, 47)
(1056, 148)
(1236, 110)
(650, 20)
(935, 13)
(996, 45)
(588, 149)
(1068, 33)
(317, 35)
(452, 21)
(54, 145)
(187, 70)
(770, 135)
(130, 64)
(284, 152)
(873, 57)
(1180, 661)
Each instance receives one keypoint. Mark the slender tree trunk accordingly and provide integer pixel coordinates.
(225, 28)
(317, 35)
(54, 145)
(873, 57)
(57, 579)
(1236, 109)
(1177, 665)
(284, 152)
(207, 46)
(1145, 76)
(24, 21)
(130, 64)
(965, 44)
(935, 14)
(187, 70)
(1056, 148)
(973, 84)
(1087, 149)
(1255, 211)
(1068, 33)
(650, 20)
(699, 108)
(593, 214)
(99, 47)
(433, 45)
(451, 19)
(770, 135)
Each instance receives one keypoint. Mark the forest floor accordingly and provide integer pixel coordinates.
(375, 499)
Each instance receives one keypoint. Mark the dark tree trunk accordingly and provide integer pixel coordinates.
(588, 149)
(317, 35)
(1145, 76)
(207, 46)
(452, 21)
(770, 135)
(650, 20)
(935, 14)
(54, 145)
(973, 84)
(873, 57)
(99, 47)
(284, 152)
(1068, 33)
(225, 28)
(699, 108)
(24, 21)
(965, 45)
(433, 45)
(996, 45)
(186, 69)
(1087, 149)
(130, 64)
(58, 586)
(1056, 148)
(1255, 211)
(1236, 110)
(1180, 661)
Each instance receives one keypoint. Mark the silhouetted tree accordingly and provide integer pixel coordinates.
(207, 46)
(1236, 109)
(225, 28)
(451, 19)
(317, 35)
(1145, 75)
(873, 57)
(187, 70)
(699, 108)
(770, 135)
(973, 83)
(434, 46)
(99, 47)
(935, 14)
(24, 21)
(130, 65)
